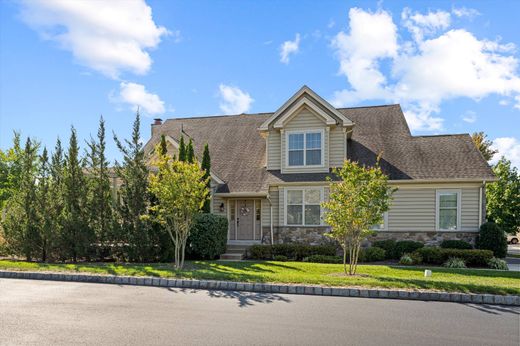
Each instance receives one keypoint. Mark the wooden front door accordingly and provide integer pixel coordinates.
(244, 219)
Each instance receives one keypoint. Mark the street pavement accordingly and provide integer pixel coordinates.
(67, 313)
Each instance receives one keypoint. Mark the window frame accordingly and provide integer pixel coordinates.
(305, 132)
(303, 189)
(440, 192)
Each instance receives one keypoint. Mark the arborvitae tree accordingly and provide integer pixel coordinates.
(57, 190)
(206, 167)
(483, 145)
(163, 146)
(190, 154)
(182, 150)
(45, 210)
(100, 194)
(133, 175)
(76, 236)
(10, 170)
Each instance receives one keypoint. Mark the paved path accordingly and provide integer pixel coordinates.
(64, 313)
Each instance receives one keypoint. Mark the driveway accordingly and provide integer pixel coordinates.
(64, 313)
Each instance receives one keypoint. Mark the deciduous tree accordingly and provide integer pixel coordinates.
(483, 145)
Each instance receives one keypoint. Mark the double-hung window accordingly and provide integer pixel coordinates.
(305, 148)
(303, 207)
(448, 210)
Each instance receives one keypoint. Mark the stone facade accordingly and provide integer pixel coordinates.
(315, 236)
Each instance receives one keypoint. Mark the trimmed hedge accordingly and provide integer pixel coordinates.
(372, 254)
(294, 252)
(456, 244)
(208, 236)
(395, 250)
(491, 237)
(435, 255)
(323, 259)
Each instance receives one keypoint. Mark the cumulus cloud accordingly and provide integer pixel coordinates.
(107, 36)
(136, 95)
(437, 65)
(289, 47)
(233, 100)
(508, 147)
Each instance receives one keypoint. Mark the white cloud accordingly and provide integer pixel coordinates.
(465, 12)
(234, 100)
(136, 95)
(469, 117)
(436, 66)
(107, 36)
(508, 147)
(289, 47)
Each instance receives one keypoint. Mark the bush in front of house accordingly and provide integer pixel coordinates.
(208, 236)
(387, 245)
(260, 252)
(406, 246)
(497, 263)
(406, 260)
(280, 258)
(372, 254)
(323, 259)
(456, 244)
(454, 262)
(294, 252)
(436, 255)
(491, 237)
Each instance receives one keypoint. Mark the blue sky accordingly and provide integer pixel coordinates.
(451, 65)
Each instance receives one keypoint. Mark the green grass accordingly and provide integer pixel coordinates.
(443, 279)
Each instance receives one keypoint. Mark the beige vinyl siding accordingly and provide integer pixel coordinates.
(414, 208)
(305, 119)
(266, 209)
(337, 147)
(273, 150)
(216, 201)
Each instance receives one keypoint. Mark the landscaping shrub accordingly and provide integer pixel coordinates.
(208, 236)
(456, 244)
(491, 237)
(372, 254)
(454, 262)
(281, 258)
(435, 255)
(416, 258)
(406, 260)
(295, 252)
(323, 259)
(387, 245)
(405, 246)
(497, 263)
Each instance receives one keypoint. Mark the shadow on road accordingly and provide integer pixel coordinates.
(244, 299)
(495, 309)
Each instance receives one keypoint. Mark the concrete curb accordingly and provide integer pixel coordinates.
(269, 288)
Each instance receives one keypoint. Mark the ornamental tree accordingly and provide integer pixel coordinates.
(181, 191)
(356, 202)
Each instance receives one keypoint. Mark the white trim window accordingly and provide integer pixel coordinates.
(382, 226)
(448, 210)
(305, 148)
(302, 207)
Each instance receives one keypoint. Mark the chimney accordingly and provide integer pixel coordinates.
(156, 123)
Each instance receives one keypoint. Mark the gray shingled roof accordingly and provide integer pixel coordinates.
(238, 151)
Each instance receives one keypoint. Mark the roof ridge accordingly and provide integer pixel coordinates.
(376, 106)
(219, 116)
(445, 135)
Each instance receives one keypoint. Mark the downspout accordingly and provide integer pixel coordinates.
(480, 209)
(270, 217)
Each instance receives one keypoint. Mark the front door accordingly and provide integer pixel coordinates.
(244, 219)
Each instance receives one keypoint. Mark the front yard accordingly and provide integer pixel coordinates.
(384, 276)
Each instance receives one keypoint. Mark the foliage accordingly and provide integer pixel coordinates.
(492, 237)
(416, 258)
(405, 246)
(208, 236)
(181, 192)
(281, 258)
(47, 222)
(503, 197)
(182, 149)
(206, 167)
(163, 147)
(497, 263)
(406, 260)
(456, 244)
(435, 255)
(356, 202)
(190, 154)
(10, 170)
(323, 259)
(372, 254)
(483, 145)
(387, 245)
(294, 252)
(455, 262)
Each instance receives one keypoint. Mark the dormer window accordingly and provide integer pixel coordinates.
(305, 148)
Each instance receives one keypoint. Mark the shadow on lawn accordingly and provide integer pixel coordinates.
(464, 272)
(244, 299)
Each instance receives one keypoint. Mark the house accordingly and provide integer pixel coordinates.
(269, 170)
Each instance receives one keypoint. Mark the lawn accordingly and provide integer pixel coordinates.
(385, 276)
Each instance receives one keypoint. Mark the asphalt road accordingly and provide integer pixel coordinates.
(65, 313)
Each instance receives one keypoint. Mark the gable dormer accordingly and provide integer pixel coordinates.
(305, 135)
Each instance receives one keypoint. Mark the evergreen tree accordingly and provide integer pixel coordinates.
(76, 236)
(47, 219)
(133, 175)
(100, 194)
(163, 146)
(190, 154)
(483, 145)
(206, 167)
(10, 170)
(182, 149)
(56, 203)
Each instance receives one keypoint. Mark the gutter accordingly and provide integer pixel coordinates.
(455, 180)
(241, 194)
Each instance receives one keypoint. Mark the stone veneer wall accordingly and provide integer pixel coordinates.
(315, 236)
